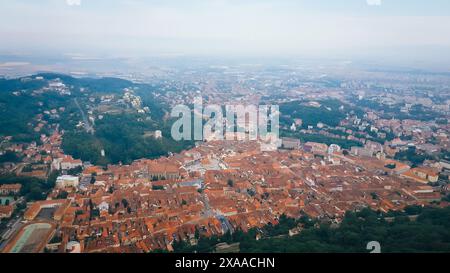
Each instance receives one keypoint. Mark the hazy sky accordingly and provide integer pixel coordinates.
(400, 28)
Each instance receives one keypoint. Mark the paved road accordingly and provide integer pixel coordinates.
(226, 225)
(87, 126)
(13, 227)
(208, 212)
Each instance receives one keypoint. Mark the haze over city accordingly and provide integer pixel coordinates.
(395, 31)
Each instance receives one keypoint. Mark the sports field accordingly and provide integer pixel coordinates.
(31, 239)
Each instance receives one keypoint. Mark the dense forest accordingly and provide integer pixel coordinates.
(124, 137)
(416, 229)
(18, 110)
(330, 112)
(412, 156)
(311, 115)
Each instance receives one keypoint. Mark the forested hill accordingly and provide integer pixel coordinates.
(123, 115)
(416, 230)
